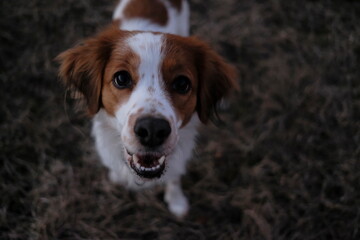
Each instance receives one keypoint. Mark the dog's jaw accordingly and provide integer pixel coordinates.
(113, 155)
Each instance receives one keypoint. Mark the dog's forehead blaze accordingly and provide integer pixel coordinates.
(140, 55)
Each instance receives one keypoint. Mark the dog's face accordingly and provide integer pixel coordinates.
(152, 84)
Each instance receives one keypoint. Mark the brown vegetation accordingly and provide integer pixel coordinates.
(285, 165)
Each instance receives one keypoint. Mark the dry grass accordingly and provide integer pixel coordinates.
(286, 165)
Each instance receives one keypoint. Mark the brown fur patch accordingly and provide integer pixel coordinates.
(122, 59)
(176, 4)
(82, 67)
(211, 77)
(153, 10)
(117, 23)
(179, 60)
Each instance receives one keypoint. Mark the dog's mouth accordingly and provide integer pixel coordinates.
(147, 165)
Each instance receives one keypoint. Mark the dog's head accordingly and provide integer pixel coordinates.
(152, 84)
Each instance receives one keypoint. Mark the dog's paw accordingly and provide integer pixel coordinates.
(178, 205)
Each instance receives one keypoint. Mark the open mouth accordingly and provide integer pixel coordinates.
(147, 165)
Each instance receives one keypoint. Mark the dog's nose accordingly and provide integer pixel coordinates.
(152, 132)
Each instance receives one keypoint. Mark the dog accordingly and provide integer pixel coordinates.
(148, 86)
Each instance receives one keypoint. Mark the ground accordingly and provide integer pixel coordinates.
(284, 165)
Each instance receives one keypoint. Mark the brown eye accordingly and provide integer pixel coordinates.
(181, 84)
(122, 79)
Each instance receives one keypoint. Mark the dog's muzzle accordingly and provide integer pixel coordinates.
(151, 133)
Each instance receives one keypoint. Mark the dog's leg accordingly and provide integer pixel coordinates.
(114, 177)
(175, 198)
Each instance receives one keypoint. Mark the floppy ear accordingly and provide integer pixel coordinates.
(82, 67)
(216, 79)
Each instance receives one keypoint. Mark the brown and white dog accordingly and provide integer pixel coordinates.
(148, 86)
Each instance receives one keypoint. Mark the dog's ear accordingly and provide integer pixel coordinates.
(216, 80)
(82, 67)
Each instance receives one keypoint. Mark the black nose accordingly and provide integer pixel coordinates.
(152, 132)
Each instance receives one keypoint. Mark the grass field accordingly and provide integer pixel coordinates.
(285, 166)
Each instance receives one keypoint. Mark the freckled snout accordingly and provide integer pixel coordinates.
(152, 132)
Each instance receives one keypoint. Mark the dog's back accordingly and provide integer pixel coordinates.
(167, 16)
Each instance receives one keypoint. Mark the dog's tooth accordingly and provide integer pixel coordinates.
(135, 159)
(161, 160)
(137, 165)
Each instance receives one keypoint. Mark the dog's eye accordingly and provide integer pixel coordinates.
(122, 79)
(181, 84)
